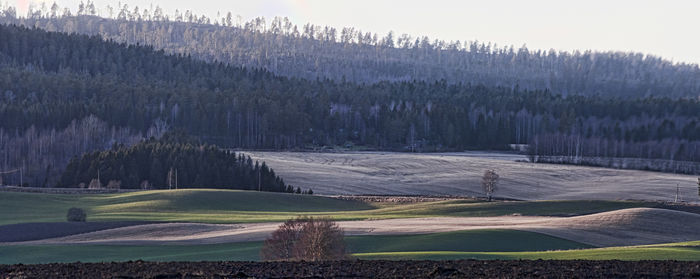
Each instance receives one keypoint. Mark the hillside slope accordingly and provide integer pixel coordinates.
(636, 226)
(58, 88)
(323, 52)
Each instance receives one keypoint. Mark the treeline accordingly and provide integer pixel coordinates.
(167, 164)
(37, 157)
(312, 52)
(668, 155)
(49, 79)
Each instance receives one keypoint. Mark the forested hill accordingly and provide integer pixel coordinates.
(62, 95)
(312, 52)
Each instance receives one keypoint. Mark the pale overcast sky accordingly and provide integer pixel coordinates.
(669, 28)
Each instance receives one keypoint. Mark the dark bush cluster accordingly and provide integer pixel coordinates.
(76, 215)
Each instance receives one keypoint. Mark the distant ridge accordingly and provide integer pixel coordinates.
(312, 52)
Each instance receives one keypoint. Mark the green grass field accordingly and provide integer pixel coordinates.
(477, 240)
(246, 251)
(632, 253)
(480, 244)
(207, 206)
(473, 240)
(226, 206)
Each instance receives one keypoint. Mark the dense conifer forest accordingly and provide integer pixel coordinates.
(312, 51)
(62, 95)
(169, 163)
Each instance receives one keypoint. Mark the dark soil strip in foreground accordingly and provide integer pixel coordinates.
(38, 231)
(361, 269)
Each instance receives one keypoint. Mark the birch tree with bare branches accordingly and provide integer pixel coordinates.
(489, 182)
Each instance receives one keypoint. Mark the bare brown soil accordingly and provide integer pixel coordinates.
(361, 269)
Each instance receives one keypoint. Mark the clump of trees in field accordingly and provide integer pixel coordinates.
(489, 183)
(305, 238)
(168, 163)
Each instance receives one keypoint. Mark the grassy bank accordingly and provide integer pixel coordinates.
(478, 240)
(481, 244)
(632, 253)
(216, 206)
(226, 206)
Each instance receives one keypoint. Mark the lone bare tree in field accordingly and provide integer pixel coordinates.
(309, 239)
(489, 182)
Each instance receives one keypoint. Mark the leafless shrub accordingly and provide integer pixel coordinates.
(309, 239)
(114, 184)
(282, 243)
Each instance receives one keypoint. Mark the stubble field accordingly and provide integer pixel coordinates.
(386, 173)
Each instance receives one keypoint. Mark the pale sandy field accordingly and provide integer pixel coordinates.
(460, 174)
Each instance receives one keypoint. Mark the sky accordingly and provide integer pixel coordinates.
(666, 28)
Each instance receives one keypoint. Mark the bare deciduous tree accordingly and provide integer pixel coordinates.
(282, 243)
(114, 184)
(310, 239)
(170, 179)
(321, 239)
(145, 185)
(489, 182)
(95, 184)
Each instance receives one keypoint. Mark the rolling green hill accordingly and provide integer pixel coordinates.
(480, 244)
(231, 206)
(217, 206)
(478, 240)
(489, 240)
(633, 253)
